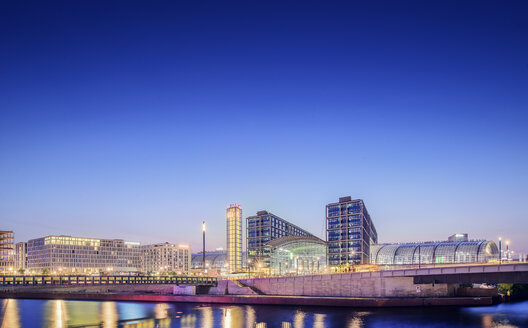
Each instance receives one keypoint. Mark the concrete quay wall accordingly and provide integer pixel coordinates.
(268, 300)
(330, 285)
(349, 285)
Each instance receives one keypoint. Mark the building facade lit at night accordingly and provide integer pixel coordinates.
(21, 256)
(66, 254)
(234, 237)
(263, 228)
(349, 232)
(7, 251)
(166, 258)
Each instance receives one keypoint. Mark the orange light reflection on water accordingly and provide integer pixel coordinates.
(11, 317)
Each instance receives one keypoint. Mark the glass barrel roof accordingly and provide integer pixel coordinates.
(434, 252)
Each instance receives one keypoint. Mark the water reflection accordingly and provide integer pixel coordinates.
(319, 320)
(357, 320)
(250, 316)
(11, 318)
(56, 316)
(206, 317)
(298, 321)
(109, 315)
(233, 317)
(59, 314)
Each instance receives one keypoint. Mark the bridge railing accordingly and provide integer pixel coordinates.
(53, 280)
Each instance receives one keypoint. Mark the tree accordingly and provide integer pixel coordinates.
(45, 271)
(21, 271)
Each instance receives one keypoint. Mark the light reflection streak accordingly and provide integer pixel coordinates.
(206, 317)
(357, 320)
(109, 315)
(11, 318)
(160, 310)
(226, 319)
(319, 320)
(189, 321)
(298, 320)
(233, 317)
(250, 316)
(57, 316)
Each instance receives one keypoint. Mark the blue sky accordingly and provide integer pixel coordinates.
(138, 120)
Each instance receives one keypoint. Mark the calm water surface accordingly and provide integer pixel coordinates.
(56, 313)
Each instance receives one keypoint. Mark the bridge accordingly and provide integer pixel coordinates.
(516, 273)
(79, 280)
(421, 282)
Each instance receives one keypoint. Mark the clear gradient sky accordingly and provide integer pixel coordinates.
(140, 119)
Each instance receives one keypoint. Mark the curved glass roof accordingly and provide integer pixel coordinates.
(299, 254)
(437, 252)
(213, 259)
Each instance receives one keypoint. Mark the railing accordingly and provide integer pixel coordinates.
(53, 280)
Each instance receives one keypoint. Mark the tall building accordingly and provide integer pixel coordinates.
(66, 254)
(165, 258)
(263, 228)
(21, 256)
(349, 232)
(7, 251)
(234, 237)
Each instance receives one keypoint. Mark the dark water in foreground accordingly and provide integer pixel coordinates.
(56, 313)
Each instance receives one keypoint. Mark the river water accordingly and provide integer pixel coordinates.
(28, 313)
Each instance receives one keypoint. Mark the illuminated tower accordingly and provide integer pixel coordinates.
(234, 237)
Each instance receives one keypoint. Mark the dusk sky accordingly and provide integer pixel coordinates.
(137, 120)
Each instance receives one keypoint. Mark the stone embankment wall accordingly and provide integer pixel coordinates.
(346, 285)
(349, 285)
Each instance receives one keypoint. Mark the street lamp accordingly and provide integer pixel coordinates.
(249, 267)
(500, 250)
(318, 259)
(507, 250)
(203, 249)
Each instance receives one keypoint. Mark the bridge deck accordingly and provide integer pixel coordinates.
(53, 280)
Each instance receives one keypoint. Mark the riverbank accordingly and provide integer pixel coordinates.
(264, 299)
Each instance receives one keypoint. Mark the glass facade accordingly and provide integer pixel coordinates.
(234, 237)
(263, 228)
(478, 251)
(213, 260)
(297, 254)
(349, 232)
(7, 251)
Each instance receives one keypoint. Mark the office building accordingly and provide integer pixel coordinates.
(349, 233)
(234, 237)
(7, 251)
(263, 228)
(21, 256)
(166, 258)
(66, 254)
(451, 251)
